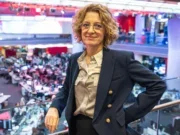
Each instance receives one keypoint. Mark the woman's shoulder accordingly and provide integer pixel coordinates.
(75, 56)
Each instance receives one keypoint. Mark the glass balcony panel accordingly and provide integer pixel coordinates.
(143, 125)
(171, 94)
(169, 120)
(165, 120)
(173, 90)
(162, 122)
(27, 120)
(144, 39)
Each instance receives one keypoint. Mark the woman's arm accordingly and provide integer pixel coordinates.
(146, 100)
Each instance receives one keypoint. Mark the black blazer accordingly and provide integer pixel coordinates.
(119, 73)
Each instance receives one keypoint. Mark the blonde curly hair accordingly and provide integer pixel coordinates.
(109, 23)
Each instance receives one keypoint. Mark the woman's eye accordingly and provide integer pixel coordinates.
(85, 25)
(98, 25)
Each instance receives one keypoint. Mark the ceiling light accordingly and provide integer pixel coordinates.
(53, 10)
(62, 12)
(116, 14)
(38, 10)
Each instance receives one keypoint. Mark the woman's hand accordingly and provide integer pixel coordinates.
(52, 119)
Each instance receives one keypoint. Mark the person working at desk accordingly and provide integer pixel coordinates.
(99, 80)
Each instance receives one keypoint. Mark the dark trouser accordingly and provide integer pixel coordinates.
(84, 126)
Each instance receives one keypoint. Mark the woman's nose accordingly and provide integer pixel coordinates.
(91, 29)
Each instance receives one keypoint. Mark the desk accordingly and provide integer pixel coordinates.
(150, 131)
(4, 98)
(26, 86)
(46, 90)
(39, 88)
(5, 116)
(56, 90)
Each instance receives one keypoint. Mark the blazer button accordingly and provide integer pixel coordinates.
(109, 105)
(110, 92)
(108, 120)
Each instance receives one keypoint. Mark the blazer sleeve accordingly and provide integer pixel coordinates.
(146, 100)
(60, 100)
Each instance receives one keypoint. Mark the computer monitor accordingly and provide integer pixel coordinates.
(5, 124)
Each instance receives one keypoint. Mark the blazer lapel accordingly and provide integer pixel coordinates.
(104, 80)
(71, 100)
(75, 70)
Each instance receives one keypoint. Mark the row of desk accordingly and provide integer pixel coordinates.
(27, 87)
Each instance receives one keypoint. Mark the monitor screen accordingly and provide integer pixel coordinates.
(5, 124)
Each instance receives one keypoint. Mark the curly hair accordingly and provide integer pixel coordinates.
(109, 23)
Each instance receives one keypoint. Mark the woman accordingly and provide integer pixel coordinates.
(99, 81)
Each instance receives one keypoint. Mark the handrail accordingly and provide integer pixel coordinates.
(162, 106)
(172, 78)
(60, 132)
(165, 105)
(157, 107)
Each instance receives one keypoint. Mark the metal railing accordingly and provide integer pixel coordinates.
(60, 132)
(165, 105)
(172, 103)
(156, 108)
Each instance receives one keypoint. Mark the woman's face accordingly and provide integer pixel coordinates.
(92, 30)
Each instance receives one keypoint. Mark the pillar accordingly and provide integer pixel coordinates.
(67, 29)
(173, 67)
(77, 47)
(139, 26)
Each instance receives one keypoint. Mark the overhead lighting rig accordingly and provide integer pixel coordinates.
(125, 7)
(141, 6)
(147, 6)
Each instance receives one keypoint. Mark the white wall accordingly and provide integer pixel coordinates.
(31, 27)
(139, 26)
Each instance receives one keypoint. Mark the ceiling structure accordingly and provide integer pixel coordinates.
(168, 1)
(67, 8)
(9, 8)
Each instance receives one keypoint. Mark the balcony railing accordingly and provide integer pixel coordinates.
(163, 119)
(156, 108)
(155, 40)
